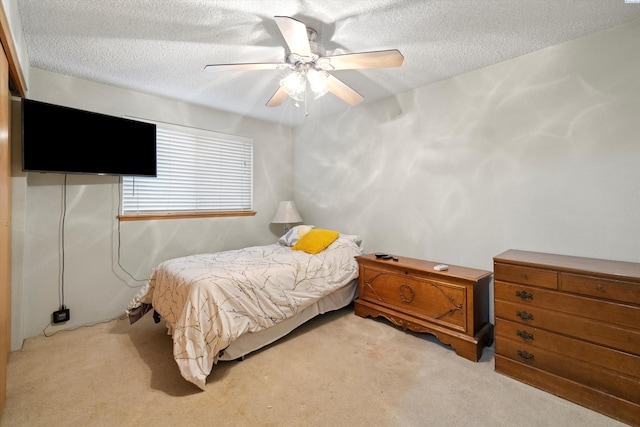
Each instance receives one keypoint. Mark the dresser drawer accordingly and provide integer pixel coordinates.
(526, 275)
(615, 360)
(593, 376)
(592, 308)
(616, 290)
(442, 303)
(605, 403)
(575, 326)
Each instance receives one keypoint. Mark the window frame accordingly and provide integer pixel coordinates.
(194, 133)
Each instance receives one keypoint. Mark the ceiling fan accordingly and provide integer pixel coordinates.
(310, 67)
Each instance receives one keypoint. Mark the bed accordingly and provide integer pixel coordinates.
(224, 305)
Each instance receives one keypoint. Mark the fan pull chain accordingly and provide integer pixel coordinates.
(306, 91)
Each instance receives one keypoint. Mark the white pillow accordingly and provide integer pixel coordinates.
(293, 235)
(353, 237)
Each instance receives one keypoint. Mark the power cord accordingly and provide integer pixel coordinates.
(62, 225)
(62, 315)
(44, 330)
(119, 239)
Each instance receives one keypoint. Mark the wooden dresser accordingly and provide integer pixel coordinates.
(571, 326)
(453, 305)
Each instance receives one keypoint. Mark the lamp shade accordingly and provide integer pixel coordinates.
(286, 214)
(295, 85)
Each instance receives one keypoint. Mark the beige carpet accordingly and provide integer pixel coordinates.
(337, 370)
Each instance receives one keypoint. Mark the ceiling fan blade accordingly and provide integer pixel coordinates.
(378, 59)
(277, 98)
(295, 34)
(245, 67)
(342, 91)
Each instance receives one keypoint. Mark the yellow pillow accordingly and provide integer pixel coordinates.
(315, 240)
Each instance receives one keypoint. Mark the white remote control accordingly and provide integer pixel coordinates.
(441, 267)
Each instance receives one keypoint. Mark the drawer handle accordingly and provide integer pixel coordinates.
(406, 293)
(525, 355)
(526, 336)
(524, 295)
(524, 315)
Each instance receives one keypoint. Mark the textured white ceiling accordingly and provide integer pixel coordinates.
(161, 46)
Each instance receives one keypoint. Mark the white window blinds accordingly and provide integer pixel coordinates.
(198, 171)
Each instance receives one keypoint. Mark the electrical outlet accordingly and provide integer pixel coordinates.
(61, 315)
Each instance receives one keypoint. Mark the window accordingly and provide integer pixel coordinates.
(199, 172)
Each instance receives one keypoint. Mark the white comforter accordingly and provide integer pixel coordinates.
(209, 300)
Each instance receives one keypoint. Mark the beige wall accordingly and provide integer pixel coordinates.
(539, 153)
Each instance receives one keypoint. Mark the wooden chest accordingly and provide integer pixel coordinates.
(571, 326)
(453, 305)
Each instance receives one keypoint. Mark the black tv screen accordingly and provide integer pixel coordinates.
(68, 140)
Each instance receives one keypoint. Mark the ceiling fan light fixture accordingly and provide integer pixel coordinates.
(295, 85)
(318, 82)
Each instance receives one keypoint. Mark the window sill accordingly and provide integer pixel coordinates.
(156, 216)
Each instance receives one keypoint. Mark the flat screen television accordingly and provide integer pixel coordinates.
(68, 140)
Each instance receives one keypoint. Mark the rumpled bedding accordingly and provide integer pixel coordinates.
(209, 300)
